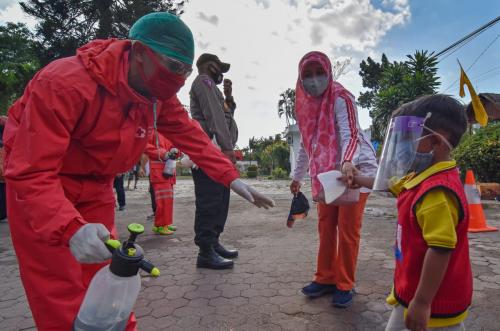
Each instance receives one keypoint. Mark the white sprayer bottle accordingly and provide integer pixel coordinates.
(170, 164)
(112, 292)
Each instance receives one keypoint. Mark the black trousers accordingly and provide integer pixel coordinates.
(152, 196)
(120, 192)
(212, 206)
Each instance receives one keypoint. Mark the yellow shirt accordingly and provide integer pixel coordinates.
(437, 214)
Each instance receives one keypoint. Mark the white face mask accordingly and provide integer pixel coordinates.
(316, 85)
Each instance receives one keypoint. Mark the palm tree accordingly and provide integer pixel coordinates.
(402, 82)
(286, 106)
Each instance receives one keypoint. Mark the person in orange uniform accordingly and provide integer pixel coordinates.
(82, 120)
(160, 151)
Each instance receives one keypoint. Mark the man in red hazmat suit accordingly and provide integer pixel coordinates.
(161, 154)
(80, 121)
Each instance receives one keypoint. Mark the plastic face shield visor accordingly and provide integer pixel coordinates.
(400, 147)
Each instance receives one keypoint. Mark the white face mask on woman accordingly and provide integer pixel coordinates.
(316, 85)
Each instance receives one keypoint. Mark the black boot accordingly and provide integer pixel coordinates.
(225, 253)
(208, 258)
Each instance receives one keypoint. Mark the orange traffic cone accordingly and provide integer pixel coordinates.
(477, 221)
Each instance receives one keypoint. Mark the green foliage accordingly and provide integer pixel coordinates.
(252, 173)
(280, 173)
(65, 25)
(481, 153)
(182, 171)
(393, 84)
(276, 156)
(18, 62)
(270, 153)
(371, 74)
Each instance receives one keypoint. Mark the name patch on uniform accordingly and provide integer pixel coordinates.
(208, 82)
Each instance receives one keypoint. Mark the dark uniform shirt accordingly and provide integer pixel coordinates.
(215, 117)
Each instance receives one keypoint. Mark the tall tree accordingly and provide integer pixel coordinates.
(18, 62)
(371, 74)
(258, 145)
(286, 106)
(65, 25)
(392, 84)
(275, 155)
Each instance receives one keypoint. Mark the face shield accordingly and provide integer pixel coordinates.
(399, 151)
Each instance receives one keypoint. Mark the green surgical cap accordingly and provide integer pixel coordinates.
(166, 34)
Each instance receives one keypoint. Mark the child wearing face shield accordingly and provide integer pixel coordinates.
(331, 140)
(432, 280)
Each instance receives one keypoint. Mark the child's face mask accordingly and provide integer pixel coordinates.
(315, 85)
(423, 160)
(408, 157)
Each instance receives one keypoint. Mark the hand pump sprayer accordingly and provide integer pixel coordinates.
(113, 290)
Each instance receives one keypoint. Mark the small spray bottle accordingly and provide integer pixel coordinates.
(113, 290)
(169, 170)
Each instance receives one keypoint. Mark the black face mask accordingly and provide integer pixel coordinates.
(216, 75)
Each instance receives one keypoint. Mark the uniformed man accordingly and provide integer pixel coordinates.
(215, 116)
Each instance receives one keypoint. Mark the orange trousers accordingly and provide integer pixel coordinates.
(164, 198)
(339, 233)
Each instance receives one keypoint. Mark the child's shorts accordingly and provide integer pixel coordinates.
(397, 322)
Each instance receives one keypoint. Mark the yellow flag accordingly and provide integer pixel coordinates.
(479, 111)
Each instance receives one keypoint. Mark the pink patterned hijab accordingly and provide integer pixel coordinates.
(316, 120)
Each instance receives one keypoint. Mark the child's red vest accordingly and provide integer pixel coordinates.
(455, 292)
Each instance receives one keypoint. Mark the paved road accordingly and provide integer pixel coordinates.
(263, 290)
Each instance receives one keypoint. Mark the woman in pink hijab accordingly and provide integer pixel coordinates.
(331, 140)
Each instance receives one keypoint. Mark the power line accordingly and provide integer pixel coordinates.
(475, 61)
(469, 36)
(487, 72)
(481, 75)
(452, 51)
(487, 77)
(484, 51)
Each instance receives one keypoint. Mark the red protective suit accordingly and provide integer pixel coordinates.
(76, 126)
(162, 187)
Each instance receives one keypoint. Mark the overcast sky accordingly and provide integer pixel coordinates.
(264, 40)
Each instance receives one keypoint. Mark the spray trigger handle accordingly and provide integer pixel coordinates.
(112, 244)
(148, 267)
